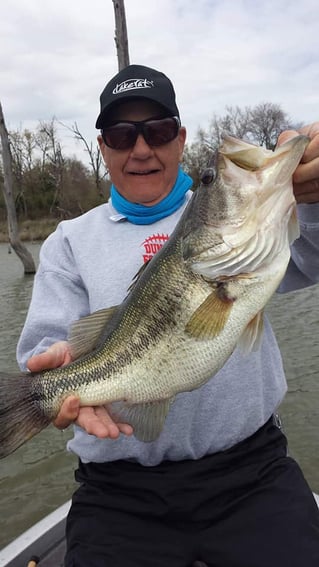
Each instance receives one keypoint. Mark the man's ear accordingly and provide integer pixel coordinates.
(182, 140)
(100, 141)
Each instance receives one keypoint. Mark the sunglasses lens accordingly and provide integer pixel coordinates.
(120, 136)
(123, 135)
(160, 132)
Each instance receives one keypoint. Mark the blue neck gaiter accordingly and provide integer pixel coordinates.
(140, 214)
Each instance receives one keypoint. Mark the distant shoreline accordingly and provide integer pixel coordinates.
(30, 230)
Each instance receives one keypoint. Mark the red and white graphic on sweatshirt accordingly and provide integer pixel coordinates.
(153, 244)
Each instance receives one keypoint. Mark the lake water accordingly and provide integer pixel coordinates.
(39, 476)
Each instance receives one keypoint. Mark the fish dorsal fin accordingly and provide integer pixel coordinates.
(138, 275)
(293, 226)
(85, 333)
(251, 338)
(146, 419)
(210, 317)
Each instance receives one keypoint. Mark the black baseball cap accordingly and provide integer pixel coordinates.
(136, 82)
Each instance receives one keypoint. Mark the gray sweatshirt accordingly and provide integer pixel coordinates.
(88, 263)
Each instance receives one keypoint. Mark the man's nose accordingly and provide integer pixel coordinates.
(141, 148)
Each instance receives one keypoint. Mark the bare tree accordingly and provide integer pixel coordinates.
(121, 40)
(195, 158)
(95, 156)
(266, 122)
(260, 125)
(22, 146)
(14, 239)
(51, 149)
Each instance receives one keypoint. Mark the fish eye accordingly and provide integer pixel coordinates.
(208, 175)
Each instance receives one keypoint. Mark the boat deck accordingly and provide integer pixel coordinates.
(55, 557)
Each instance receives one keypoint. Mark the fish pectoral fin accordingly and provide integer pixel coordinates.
(147, 419)
(210, 317)
(250, 339)
(85, 333)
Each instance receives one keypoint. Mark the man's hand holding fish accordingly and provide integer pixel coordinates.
(95, 420)
(306, 176)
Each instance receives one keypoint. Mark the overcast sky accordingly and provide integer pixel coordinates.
(56, 57)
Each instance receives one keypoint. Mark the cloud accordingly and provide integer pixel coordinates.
(55, 58)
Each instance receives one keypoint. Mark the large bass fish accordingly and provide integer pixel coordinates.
(200, 297)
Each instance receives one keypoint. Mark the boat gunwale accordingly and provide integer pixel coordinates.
(38, 540)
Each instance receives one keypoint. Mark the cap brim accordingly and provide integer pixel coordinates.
(101, 119)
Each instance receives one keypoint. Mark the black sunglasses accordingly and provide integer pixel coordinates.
(156, 132)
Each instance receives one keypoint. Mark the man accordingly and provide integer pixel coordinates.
(217, 486)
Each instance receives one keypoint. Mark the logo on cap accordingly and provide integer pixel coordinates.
(133, 84)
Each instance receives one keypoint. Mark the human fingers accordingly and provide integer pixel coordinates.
(312, 150)
(68, 413)
(285, 136)
(56, 355)
(307, 192)
(306, 175)
(312, 131)
(97, 421)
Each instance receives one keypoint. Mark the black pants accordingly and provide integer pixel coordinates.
(246, 507)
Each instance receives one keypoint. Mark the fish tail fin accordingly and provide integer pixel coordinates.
(20, 414)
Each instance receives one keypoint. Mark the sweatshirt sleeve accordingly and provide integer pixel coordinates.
(303, 268)
(58, 298)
